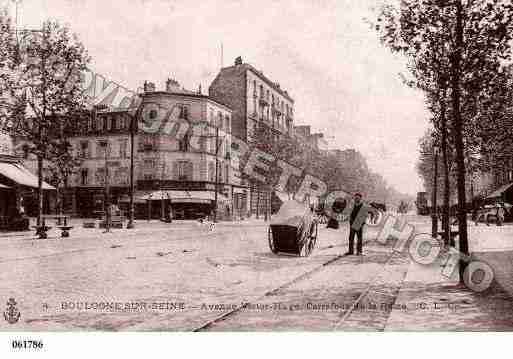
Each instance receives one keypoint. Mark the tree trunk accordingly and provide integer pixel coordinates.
(458, 136)
(267, 205)
(258, 204)
(39, 190)
(434, 211)
(446, 227)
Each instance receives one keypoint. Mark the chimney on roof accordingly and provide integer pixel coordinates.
(238, 61)
(149, 86)
(172, 85)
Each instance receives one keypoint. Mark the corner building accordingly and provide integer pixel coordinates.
(255, 101)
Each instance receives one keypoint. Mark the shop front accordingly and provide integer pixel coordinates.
(177, 204)
(18, 194)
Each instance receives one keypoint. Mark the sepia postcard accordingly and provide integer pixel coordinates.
(255, 166)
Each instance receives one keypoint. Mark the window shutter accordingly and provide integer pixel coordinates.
(175, 171)
(190, 170)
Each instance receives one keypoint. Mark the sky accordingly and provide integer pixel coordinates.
(324, 53)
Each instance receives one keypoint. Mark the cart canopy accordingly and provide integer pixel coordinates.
(292, 213)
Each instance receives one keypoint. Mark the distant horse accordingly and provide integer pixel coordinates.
(379, 206)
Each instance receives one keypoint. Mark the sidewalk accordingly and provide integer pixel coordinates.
(143, 227)
(428, 301)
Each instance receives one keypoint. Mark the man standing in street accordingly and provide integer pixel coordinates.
(357, 219)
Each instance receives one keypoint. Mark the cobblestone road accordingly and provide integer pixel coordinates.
(175, 277)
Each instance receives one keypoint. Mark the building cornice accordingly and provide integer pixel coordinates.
(262, 77)
(187, 95)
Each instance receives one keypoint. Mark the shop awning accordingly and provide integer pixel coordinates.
(137, 199)
(498, 193)
(182, 196)
(4, 187)
(205, 197)
(21, 175)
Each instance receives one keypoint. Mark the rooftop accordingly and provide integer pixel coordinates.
(260, 74)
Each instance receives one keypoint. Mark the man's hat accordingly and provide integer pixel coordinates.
(358, 194)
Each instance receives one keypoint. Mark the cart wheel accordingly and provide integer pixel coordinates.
(271, 240)
(312, 239)
(303, 249)
(309, 242)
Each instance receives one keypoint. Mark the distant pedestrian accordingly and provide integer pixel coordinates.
(359, 213)
(170, 214)
(500, 214)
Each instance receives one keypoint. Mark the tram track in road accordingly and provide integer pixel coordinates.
(364, 294)
(209, 324)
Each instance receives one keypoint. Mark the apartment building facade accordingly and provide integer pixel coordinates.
(174, 167)
(257, 103)
(254, 99)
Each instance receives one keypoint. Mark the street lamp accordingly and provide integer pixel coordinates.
(434, 214)
(217, 175)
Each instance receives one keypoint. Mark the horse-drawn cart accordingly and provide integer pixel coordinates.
(293, 230)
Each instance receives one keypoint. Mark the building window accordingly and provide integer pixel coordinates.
(149, 168)
(125, 123)
(220, 149)
(212, 117)
(183, 143)
(254, 88)
(121, 176)
(83, 176)
(227, 123)
(84, 149)
(184, 170)
(211, 171)
(123, 148)
(148, 143)
(219, 119)
(99, 125)
(102, 149)
(261, 91)
(226, 173)
(100, 176)
(184, 112)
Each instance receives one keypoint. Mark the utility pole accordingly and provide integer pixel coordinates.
(217, 174)
(162, 204)
(107, 190)
(133, 125)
